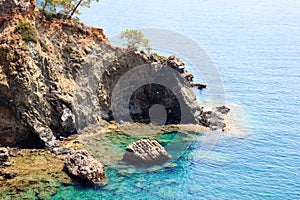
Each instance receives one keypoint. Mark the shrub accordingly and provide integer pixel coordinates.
(27, 31)
(134, 39)
(160, 57)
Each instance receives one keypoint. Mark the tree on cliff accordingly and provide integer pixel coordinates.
(86, 3)
(65, 7)
(135, 40)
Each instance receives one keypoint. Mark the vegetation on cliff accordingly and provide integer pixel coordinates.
(27, 31)
(134, 39)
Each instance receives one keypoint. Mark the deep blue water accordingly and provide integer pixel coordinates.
(256, 47)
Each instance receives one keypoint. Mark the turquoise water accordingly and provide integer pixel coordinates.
(256, 47)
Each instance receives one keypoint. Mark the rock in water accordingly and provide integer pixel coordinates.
(145, 152)
(84, 166)
(223, 109)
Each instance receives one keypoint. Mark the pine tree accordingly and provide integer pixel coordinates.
(135, 39)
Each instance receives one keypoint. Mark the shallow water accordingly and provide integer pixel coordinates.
(256, 47)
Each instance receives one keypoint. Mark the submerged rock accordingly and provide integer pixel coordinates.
(84, 166)
(223, 109)
(145, 152)
(212, 120)
(39, 175)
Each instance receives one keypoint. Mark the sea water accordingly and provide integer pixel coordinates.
(256, 47)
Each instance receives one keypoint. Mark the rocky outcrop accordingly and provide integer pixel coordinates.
(82, 165)
(145, 152)
(199, 86)
(54, 82)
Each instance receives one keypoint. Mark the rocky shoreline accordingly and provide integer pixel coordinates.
(42, 65)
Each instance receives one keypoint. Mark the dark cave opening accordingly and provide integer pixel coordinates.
(154, 103)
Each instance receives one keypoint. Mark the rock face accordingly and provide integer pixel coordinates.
(8, 8)
(82, 165)
(145, 152)
(11, 7)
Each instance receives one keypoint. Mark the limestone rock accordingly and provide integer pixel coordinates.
(145, 152)
(84, 166)
(4, 155)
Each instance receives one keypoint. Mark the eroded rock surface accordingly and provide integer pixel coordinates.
(84, 166)
(145, 152)
(11, 7)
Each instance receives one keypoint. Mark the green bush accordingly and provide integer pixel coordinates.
(27, 31)
(160, 57)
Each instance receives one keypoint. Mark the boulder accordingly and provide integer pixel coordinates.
(84, 166)
(145, 152)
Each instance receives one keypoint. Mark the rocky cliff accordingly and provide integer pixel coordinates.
(59, 76)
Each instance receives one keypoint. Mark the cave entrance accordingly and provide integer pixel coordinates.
(156, 104)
